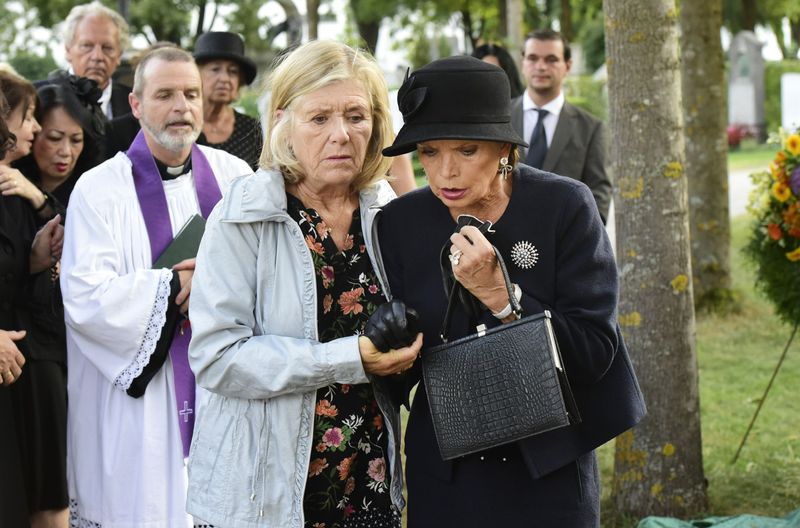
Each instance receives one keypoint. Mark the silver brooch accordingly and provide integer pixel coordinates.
(524, 254)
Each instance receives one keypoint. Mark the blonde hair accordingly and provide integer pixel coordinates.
(79, 12)
(308, 68)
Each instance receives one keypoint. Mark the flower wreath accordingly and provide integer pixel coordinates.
(774, 244)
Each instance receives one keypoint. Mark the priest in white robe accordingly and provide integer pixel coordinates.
(128, 432)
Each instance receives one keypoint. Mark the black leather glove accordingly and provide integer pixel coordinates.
(393, 325)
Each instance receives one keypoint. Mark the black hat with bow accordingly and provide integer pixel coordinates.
(216, 45)
(454, 98)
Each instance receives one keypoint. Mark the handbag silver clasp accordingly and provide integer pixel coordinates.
(481, 328)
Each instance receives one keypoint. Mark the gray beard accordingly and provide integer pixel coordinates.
(169, 141)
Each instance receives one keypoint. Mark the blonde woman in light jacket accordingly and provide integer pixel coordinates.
(255, 312)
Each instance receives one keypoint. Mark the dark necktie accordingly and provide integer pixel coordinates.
(538, 143)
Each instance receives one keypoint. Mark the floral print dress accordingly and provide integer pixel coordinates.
(348, 476)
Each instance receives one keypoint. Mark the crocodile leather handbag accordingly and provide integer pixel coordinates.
(496, 386)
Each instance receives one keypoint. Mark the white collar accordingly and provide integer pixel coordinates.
(553, 107)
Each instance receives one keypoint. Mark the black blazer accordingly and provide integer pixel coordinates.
(120, 133)
(119, 99)
(575, 277)
(578, 150)
(119, 95)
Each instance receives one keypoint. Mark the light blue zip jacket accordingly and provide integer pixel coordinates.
(254, 347)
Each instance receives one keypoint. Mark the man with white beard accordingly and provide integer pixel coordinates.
(131, 393)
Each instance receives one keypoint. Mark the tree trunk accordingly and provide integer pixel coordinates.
(704, 112)
(749, 14)
(777, 28)
(369, 33)
(201, 19)
(515, 33)
(294, 22)
(466, 20)
(658, 465)
(566, 20)
(312, 10)
(502, 20)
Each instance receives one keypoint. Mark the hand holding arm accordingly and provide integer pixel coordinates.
(47, 245)
(394, 361)
(185, 269)
(11, 359)
(13, 182)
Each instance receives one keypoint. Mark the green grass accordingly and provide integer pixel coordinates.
(736, 356)
(751, 155)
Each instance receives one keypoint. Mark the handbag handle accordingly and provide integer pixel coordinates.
(516, 307)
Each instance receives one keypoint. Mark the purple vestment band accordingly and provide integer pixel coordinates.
(155, 211)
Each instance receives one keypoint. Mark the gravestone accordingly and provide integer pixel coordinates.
(790, 101)
(746, 84)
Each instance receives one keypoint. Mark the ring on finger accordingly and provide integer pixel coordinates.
(456, 257)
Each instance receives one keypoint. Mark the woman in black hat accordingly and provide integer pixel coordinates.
(224, 68)
(548, 230)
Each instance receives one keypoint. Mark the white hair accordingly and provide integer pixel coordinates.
(95, 8)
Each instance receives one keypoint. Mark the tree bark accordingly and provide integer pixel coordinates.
(704, 112)
(658, 466)
(749, 14)
(312, 10)
(369, 32)
(566, 19)
(515, 34)
(201, 19)
(502, 19)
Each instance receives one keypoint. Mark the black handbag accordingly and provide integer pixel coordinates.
(496, 386)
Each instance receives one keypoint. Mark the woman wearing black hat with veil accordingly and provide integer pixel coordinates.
(548, 230)
(224, 68)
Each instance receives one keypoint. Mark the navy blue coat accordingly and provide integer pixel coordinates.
(575, 277)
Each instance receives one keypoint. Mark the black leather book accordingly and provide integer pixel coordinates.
(184, 245)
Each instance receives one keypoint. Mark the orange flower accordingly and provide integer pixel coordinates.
(774, 231)
(324, 408)
(344, 467)
(778, 172)
(780, 157)
(794, 256)
(316, 247)
(781, 191)
(317, 466)
(348, 301)
(327, 302)
(791, 217)
(793, 144)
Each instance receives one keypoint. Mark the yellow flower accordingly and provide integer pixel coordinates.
(781, 191)
(780, 157)
(794, 256)
(793, 144)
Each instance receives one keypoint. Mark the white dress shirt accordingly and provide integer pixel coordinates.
(530, 116)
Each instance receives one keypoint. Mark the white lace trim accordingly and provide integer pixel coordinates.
(158, 316)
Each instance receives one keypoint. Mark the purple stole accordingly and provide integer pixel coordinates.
(153, 202)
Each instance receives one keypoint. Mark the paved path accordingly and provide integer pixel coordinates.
(739, 186)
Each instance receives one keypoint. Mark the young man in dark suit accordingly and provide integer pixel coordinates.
(563, 138)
